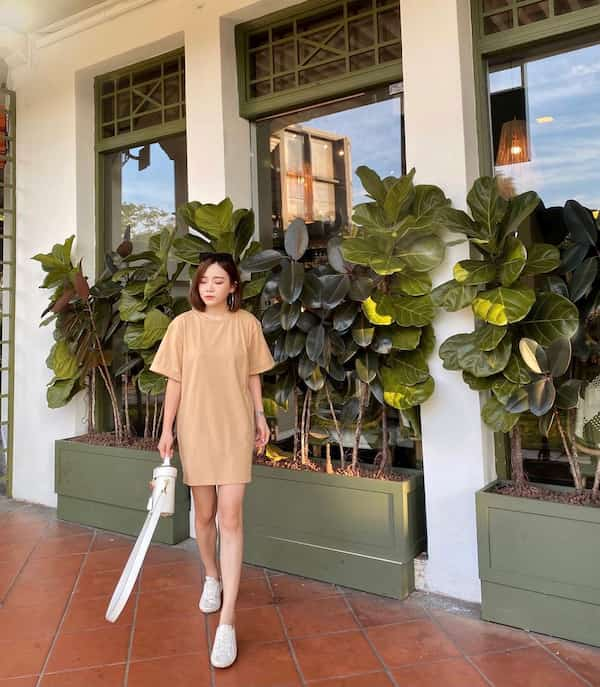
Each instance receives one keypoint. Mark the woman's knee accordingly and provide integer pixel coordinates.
(230, 519)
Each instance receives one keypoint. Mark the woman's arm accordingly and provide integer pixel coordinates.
(171, 405)
(262, 428)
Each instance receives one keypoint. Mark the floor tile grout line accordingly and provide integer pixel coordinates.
(364, 633)
(467, 658)
(25, 562)
(284, 629)
(64, 615)
(138, 583)
(562, 662)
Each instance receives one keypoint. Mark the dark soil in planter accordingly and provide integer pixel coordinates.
(363, 470)
(108, 439)
(531, 491)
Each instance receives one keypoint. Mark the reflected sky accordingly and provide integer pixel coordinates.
(374, 133)
(152, 186)
(566, 151)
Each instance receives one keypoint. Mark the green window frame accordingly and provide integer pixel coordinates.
(316, 51)
(142, 100)
(559, 31)
(146, 85)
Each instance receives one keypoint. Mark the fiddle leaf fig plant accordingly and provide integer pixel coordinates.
(500, 291)
(352, 336)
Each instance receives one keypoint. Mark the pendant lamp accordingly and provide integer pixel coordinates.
(514, 143)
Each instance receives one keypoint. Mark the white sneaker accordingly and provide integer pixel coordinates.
(224, 651)
(210, 601)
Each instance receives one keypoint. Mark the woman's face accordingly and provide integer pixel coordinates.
(215, 285)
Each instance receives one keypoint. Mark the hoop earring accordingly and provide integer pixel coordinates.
(230, 301)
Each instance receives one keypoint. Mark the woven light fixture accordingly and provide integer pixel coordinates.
(514, 143)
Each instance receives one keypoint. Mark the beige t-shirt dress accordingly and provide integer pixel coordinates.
(213, 358)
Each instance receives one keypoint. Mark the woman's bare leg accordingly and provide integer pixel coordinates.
(230, 504)
(205, 509)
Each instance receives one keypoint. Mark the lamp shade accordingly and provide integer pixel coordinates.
(514, 143)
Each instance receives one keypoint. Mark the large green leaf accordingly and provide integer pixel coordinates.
(516, 371)
(453, 296)
(131, 309)
(151, 383)
(243, 229)
(371, 183)
(488, 336)
(501, 306)
(335, 287)
(459, 222)
(473, 272)
(344, 315)
(541, 258)
(399, 197)
(551, 317)
(62, 361)
(583, 278)
(262, 261)
(412, 284)
(497, 418)
(360, 288)
(61, 391)
(271, 319)
(363, 332)
(541, 395)
(294, 342)
(146, 335)
(410, 368)
(487, 206)
(289, 315)
(291, 280)
(503, 390)
(316, 380)
(513, 262)
(335, 257)
(519, 209)
(405, 338)
(422, 255)
(358, 249)
(312, 293)
(534, 356)
(479, 383)
(366, 365)
(581, 224)
(413, 311)
(401, 396)
(208, 218)
(315, 340)
(371, 310)
(428, 198)
(485, 363)
(452, 346)
(296, 239)
(567, 395)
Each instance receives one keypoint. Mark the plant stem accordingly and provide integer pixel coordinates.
(596, 487)
(516, 458)
(93, 399)
(573, 462)
(302, 425)
(307, 427)
(125, 379)
(361, 406)
(155, 417)
(295, 424)
(337, 427)
(328, 465)
(385, 447)
(147, 417)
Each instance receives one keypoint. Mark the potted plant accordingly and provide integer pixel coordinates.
(106, 337)
(536, 564)
(350, 338)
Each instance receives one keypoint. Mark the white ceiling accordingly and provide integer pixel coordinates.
(30, 15)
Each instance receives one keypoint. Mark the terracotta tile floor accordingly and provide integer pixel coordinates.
(56, 579)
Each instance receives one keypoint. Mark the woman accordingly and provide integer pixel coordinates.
(213, 356)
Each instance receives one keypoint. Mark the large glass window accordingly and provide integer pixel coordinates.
(307, 163)
(143, 186)
(546, 127)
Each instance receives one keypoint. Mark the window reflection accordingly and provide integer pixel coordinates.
(307, 163)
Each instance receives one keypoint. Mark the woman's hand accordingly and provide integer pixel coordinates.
(165, 445)
(262, 434)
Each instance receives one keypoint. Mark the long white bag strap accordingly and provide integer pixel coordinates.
(136, 558)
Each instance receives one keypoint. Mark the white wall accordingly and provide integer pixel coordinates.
(56, 198)
(441, 142)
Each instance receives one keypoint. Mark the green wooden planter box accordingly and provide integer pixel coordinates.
(107, 487)
(539, 565)
(353, 531)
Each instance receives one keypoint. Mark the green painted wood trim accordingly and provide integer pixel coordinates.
(539, 546)
(252, 108)
(357, 532)
(150, 134)
(11, 288)
(107, 487)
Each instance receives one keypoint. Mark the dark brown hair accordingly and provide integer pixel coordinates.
(226, 261)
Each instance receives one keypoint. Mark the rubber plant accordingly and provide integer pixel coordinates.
(85, 321)
(332, 326)
(500, 288)
(551, 395)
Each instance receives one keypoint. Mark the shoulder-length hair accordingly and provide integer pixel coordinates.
(226, 261)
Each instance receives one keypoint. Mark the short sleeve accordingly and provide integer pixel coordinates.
(168, 359)
(259, 353)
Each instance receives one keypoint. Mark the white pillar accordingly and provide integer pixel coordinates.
(441, 142)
